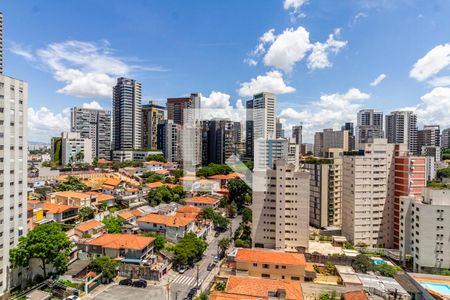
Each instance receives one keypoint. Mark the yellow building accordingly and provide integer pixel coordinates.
(152, 115)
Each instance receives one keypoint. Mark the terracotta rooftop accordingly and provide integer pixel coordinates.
(189, 178)
(56, 208)
(88, 225)
(189, 209)
(126, 214)
(170, 221)
(270, 257)
(112, 182)
(154, 162)
(202, 199)
(154, 185)
(100, 196)
(71, 194)
(261, 287)
(355, 295)
(104, 162)
(136, 212)
(162, 172)
(229, 296)
(121, 241)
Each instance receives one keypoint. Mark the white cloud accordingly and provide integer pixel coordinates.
(43, 124)
(272, 82)
(440, 81)
(250, 61)
(86, 69)
(359, 16)
(288, 48)
(21, 51)
(294, 4)
(378, 80)
(217, 105)
(434, 107)
(318, 59)
(432, 63)
(291, 46)
(92, 105)
(330, 111)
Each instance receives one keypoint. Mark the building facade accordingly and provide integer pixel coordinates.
(369, 125)
(93, 124)
(13, 172)
(178, 108)
(280, 208)
(170, 136)
(152, 115)
(218, 140)
(127, 129)
(401, 128)
(425, 230)
(75, 149)
(329, 139)
(445, 141)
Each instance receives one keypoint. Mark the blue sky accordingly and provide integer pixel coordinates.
(320, 57)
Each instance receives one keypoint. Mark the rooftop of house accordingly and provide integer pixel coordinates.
(126, 214)
(100, 196)
(202, 199)
(112, 182)
(56, 208)
(121, 241)
(355, 295)
(88, 225)
(258, 287)
(270, 257)
(72, 194)
(189, 178)
(171, 221)
(189, 209)
(153, 185)
(216, 295)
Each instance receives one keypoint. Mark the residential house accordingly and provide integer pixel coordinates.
(102, 199)
(60, 213)
(203, 201)
(70, 198)
(131, 248)
(270, 264)
(90, 228)
(172, 227)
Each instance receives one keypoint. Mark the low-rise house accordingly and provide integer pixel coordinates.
(189, 209)
(102, 199)
(70, 198)
(202, 201)
(112, 184)
(270, 264)
(91, 228)
(238, 288)
(172, 227)
(355, 295)
(131, 248)
(60, 213)
(127, 216)
(153, 165)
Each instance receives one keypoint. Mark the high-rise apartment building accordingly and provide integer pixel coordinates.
(280, 208)
(297, 134)
(13, 172)
(329, 139)
(368, 193)
(425, 230)
(178, 108)
(369, 126)
(445, 141)
(152, 115)
(218, 141)
(93, 124)
(351, 135)
(268, 151)
(410, 179)
(325, 190)
(75, 149)
(170, 137)
(261, 119)
(430, 135)
(279, 131)
(401, 128)
(127, 129)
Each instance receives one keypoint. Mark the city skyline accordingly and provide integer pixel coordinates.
(340, 71)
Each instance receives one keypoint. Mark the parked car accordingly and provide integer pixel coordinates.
(210, 266)
(140, 283)
(192, 292)
(216, 259)
(72, 297)
(126, 281)
(182, 269)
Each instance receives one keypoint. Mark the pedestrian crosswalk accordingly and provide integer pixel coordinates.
(186, 280)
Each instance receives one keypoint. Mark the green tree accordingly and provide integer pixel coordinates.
(325, 296)
(156, 157)
(362, 263)
(348, 245)
(246, 215)
(232, 209)
(41, 192)
(86, 213)
(242, 243)
(224, 244)
(105, 265)
(113, 224)
(188, 249)
(386, 270)
(72, 183)
(178, 173)
(443, 173)
(160, 195)
(214, 169)
(221, 286)
(46, 242)
(159, 242)
(238, 189)
(202, 296)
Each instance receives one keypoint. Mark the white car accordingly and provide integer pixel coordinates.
(72, 297)
(182, 269)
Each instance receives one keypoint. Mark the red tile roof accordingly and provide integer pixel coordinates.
(56, 208)
(270, 257)
(259, 287)
(170, 221)
(121, 241)
(355, 295)
(202, 199)
(100, 196)
(126, 214)
(189, 209)
(88, 225)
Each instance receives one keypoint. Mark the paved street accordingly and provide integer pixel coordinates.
(182, 283)
(119, 292)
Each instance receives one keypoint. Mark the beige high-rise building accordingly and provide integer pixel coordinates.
(368, 193)
(281, 208)
(329, 139)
